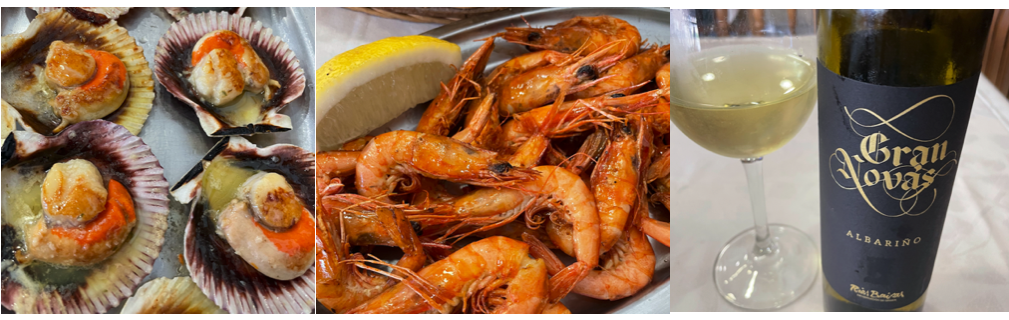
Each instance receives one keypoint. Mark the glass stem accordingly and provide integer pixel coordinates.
(755, 183)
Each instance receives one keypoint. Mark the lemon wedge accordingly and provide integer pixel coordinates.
(366, 87)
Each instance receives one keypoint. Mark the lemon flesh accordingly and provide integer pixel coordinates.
(368, 86)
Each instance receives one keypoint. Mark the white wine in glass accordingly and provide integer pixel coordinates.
(744, 93)
(751, 100)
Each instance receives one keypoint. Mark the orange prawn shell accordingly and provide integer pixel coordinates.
(570, 35)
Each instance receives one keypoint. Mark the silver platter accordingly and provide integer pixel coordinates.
(653, 24)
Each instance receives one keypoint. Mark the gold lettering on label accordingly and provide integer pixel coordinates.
(882, 243)
(876, 295)
(913, 178)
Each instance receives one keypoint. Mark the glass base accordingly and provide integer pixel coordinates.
(770, 278)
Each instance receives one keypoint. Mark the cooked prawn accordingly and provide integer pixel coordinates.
(628, 72)
(572, 34)
(444, 110)
(493, 267)
(574, 224)
(541, 86)
(662, 75)
(571, 116)
(341, 285)
(393, 158)
(478, 120)
(331, 167)
(615, 183)
(522, 64)
(590, 150)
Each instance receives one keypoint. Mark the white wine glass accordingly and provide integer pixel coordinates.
(743, 82)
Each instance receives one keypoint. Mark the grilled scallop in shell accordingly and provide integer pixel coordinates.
(84, 217)
(250, 241)
(233, 72)
(63, 70)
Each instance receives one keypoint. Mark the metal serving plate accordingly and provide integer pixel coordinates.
(172, 129)
(653, 24)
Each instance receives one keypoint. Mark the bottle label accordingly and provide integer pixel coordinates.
(888, 156)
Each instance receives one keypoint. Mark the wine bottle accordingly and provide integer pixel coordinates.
(895, 90)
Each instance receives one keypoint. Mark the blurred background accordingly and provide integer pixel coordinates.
(761, 22)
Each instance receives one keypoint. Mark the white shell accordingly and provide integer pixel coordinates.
(174, 296)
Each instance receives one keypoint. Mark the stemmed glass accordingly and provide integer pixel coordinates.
(742, 85)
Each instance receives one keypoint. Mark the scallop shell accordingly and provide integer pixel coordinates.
(175, 51)
(115, 152)
(180, 13)
(215, 267)
(22, 51)
(172, 296)
(112, 13)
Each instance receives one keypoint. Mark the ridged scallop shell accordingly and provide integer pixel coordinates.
(225, 277)
(170, 296)
(180, 13)
(175, 52)
(112, 13)
(22, 50)
(115, 151)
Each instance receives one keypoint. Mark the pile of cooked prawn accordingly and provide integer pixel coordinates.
(560, 149)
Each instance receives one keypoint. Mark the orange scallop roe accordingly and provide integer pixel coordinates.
(300, 238)
(118, 214)
(221, 40)
(109, 70)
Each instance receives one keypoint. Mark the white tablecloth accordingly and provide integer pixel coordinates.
(711, 205)
(340, 30)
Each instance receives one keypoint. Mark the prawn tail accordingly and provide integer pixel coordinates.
(404, 237)
(564, 281)
(539, 250)
(564, 278)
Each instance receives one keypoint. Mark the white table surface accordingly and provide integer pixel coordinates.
(711, 205)
(340, 30)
